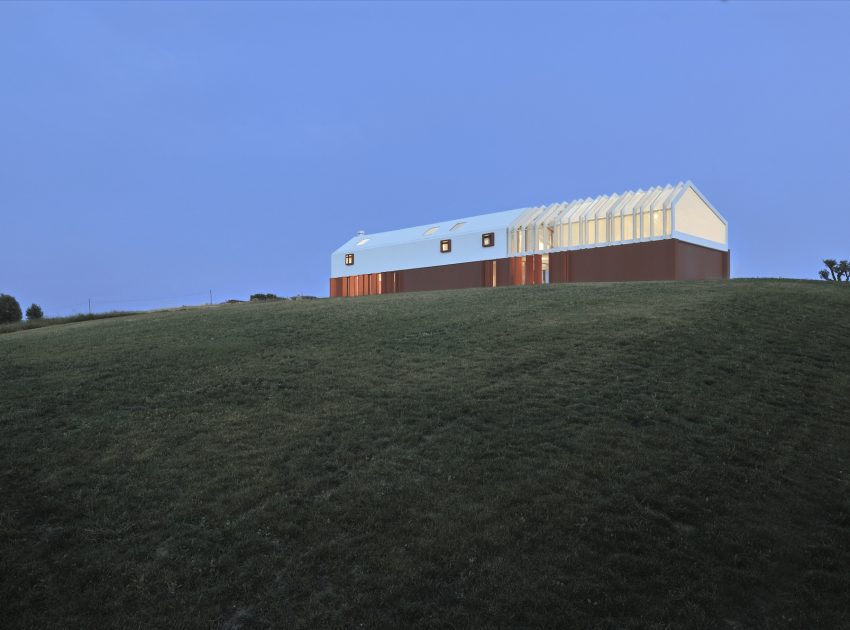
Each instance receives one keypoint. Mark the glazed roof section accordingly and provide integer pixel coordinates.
(658, 198)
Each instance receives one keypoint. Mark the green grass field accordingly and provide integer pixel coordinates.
(655, 455)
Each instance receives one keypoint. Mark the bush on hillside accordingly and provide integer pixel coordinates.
(835, 271)
(262, 297)
(34, 312)
(10, 310)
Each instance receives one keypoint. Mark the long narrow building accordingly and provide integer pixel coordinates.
(664, 233)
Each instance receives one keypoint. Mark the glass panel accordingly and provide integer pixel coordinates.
(669, 218)
(628, 227)
(591, 231)
(601, 230)
(617, 223)
(575, 235)
(657, 223)
(645, 225)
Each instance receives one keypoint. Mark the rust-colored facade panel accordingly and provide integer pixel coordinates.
(489, 276)
(503, 272)
(700, 263)
(654, 260)
(459, 276)
(558, 267)
(336, 287)
(667, 259)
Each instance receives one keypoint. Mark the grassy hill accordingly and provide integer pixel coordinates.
(651, 455)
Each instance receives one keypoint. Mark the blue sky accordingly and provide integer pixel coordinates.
(150, 152)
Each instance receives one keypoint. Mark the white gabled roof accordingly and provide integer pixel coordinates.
(477, 224)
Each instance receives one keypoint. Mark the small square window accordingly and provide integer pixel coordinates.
(488, 240)
(446, 246)
(349, 259)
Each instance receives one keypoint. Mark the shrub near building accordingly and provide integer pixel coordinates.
(10, 310)
(34, 312)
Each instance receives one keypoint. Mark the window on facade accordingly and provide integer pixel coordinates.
(431, 230)
(602, 230)
(657, 223)
(457, 226)
(445, 246)
(590, 226)
(628, 227)
(575, 234)
(349, 259)
(488, 239)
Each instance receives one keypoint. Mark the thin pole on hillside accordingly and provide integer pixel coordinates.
(210, 297)
(89, 306)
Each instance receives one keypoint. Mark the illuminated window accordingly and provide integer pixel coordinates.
(349, 259)
(458, 225)
(363, 241)
(488, 240)
(601, 230)
(445, 246)
(575, 236)
(430, 231)
(628, 227)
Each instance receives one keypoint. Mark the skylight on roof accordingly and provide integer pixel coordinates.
(458, 225)
(430, 231)
(363, 241)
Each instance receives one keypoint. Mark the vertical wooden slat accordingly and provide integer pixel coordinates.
(487, 273)
(503, 272)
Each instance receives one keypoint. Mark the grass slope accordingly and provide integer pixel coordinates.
(622, 455)
(29, 324)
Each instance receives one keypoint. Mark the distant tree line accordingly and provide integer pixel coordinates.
(10, 310)
(836, 271)
(263, 297)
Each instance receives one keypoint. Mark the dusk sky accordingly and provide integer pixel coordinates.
(151, 152)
